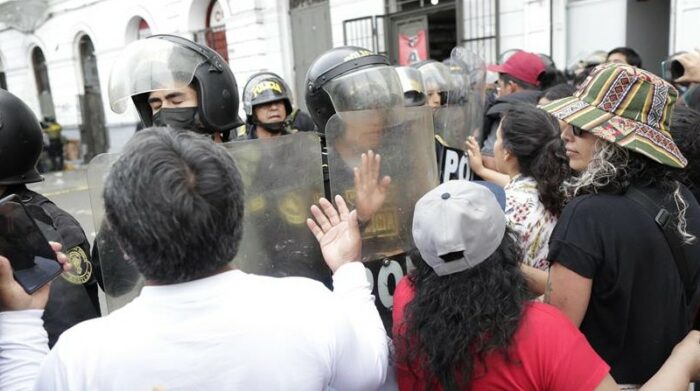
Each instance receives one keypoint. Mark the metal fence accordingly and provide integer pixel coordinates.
(366, 32)
(480, 28)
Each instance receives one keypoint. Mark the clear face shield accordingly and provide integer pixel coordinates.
(150, 65)
(368, 89)
(461, 114)
(437, 80)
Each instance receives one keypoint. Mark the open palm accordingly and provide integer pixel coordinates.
(371, 191)
(337, 232)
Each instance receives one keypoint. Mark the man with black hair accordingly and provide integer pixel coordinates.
(625, 55)
(518, 81)
(174, 201)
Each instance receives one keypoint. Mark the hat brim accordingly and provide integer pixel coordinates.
(634, 135)
(495, 68)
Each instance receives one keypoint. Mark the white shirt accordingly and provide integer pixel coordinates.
(231, 331)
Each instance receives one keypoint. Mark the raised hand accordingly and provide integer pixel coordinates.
(476, 161)
(337, 232)
(371, 191)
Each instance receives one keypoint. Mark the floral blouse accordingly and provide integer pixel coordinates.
(526, 215)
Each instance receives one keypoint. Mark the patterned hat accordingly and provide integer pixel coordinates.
(627, 106)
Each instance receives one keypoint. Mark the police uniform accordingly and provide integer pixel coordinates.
(73, 296)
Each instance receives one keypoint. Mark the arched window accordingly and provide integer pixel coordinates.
(215, 32)
(41, 76)
(144, 30)
(3, 79)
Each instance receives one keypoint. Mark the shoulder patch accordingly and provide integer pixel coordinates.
(81, 267)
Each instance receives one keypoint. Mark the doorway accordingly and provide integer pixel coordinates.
(423, 33)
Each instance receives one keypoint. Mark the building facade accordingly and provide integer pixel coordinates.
(56, 54)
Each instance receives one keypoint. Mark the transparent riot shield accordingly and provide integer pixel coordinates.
(121, 281)
(461, 115)
(404, 139)
(282, 178)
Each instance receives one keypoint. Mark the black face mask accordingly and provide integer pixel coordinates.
(181, 117)
(274, 127)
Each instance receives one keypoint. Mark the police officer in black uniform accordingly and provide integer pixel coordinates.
(366, 93)
(268, 107)
(73, 297)
(175, 82)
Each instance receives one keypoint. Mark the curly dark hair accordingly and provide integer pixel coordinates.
(532, 135)
(457, 319)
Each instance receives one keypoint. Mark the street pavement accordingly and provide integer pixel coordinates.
(69, 190)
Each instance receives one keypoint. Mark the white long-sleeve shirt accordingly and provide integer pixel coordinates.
(229, 331)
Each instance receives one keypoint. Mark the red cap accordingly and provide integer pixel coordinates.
(524, 66)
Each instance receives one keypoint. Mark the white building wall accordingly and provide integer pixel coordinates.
(349, 9)
(686, 34)
(594, 25)
(258, 39)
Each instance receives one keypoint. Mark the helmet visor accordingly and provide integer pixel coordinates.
(436, 77)
(367, 89)
(150, 65)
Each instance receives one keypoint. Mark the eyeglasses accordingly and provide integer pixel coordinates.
(578, 132)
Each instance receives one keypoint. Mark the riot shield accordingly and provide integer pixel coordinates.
(282, 178)
(121, 281)
(461, 115)
(404, 139)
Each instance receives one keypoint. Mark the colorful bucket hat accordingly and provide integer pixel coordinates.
(626, 106)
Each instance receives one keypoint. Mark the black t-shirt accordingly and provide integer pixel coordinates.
(637, 310)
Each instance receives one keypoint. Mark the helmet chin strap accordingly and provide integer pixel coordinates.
(272, 127)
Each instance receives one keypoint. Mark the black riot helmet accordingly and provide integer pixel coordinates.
(165, 62)
(324, 97)
(21, 141)
(265, 87)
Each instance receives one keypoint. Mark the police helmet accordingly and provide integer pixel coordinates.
(163, 62)
(436, 77)
(412, 84)
(350, 78)
(265, 87)
(21, 141)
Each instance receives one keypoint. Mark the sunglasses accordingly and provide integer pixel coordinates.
(578, 132)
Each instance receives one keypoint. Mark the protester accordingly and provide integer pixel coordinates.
(531, 164)
(625, 55)
(174, 199)
(518, 81)
(463, 321)
(615, 272)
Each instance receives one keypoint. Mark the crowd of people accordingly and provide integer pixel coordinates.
(570, 261)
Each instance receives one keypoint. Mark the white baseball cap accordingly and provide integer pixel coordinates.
(458, 217)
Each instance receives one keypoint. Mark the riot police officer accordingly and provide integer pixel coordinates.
(73, 297)
(357, 102)
(268, 107)
(174, 81)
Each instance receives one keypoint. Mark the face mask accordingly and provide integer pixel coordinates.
(181, 117)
